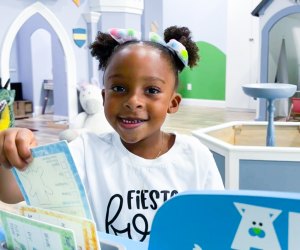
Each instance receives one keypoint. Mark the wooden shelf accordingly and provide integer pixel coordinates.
(23, 109)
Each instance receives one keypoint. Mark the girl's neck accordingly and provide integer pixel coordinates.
(152, 150)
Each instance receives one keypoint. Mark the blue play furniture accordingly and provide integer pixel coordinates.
(228, 220)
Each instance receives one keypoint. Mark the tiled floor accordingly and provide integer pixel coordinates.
(188, 118)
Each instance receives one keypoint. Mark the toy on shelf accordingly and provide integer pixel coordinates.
(92, 119)
(7, 118)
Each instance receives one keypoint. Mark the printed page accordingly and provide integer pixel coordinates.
(24, 233)
(84, 229)
(51, 181)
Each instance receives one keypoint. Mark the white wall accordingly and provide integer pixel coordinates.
(206, 19)
(228, 25)
(42, 66)
(242, 53)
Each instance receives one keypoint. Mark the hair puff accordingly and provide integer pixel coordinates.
(183, 35)
(102, 48)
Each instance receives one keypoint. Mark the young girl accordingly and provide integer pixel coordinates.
(129, 173)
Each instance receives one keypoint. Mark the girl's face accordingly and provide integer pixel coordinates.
(139, 92)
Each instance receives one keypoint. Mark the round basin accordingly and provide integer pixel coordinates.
(269, 90)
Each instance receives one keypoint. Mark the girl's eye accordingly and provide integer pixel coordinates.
(118, 89)
(153, 91)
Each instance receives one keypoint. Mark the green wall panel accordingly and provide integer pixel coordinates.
(208, 78)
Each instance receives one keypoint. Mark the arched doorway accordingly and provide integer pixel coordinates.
(70, 66)
(267, 62)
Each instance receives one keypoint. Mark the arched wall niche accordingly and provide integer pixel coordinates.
(70, 66)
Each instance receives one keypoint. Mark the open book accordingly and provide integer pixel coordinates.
(58, 215)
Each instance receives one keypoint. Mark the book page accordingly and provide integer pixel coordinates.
(51, 181)
(84, 229)
(24, 233)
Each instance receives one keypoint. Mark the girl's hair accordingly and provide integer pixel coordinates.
(105, 46)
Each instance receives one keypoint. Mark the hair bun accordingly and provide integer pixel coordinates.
(102, 48)
(183, 35)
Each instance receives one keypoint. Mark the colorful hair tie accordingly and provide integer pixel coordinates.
(125, 35)
(175, 46)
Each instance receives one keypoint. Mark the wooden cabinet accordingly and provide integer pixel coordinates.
(23, 109)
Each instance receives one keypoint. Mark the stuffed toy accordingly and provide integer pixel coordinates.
(92, 119)
(7, 118)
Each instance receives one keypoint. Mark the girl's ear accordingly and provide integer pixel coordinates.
(174, 103)
(103, 95)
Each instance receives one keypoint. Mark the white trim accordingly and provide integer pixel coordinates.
(121, 9)
(232, 173)
(91, 17)
(37, 110)
(63, 37)
(205, 103)
(127, 6)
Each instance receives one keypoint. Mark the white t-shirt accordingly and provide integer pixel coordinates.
(126, 190)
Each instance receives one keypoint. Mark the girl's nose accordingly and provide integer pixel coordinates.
(133, 102)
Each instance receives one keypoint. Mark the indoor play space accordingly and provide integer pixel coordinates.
(242, 101)
(246, 162)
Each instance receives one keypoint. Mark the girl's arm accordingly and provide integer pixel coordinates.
(15, 152)
(9, 189)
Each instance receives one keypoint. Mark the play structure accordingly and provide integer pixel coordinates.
(247, 152)
(262, 155)
(228, 220)
(40, 43)
(244, 160)
(270, 92)
(279, 36)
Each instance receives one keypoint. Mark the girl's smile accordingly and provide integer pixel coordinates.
(130, 123)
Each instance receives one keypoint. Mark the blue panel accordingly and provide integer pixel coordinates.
(219, 220)
(220, 161)
(270, 175)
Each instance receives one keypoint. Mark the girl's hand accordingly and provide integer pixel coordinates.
(15, 144)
